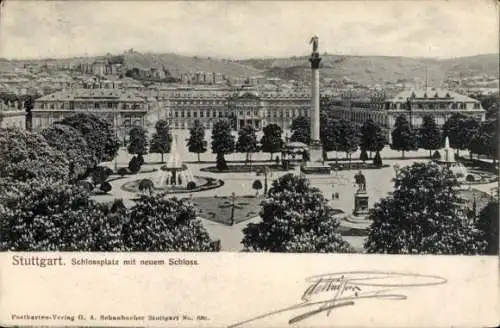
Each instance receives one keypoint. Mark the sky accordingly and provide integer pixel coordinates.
(245, 29)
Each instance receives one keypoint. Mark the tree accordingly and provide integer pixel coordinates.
(161, 140)
(487, 224)
(295, 218)
(134, 165)
(377, 160)
(26, 155)
(138, 142)
(329, 135)
(430, 137)
(403, 136)
(146, 185)
(271, 141)
(485, 141)
(372, 137)
(301, 128)
(99, 134)
(156, 224)
(100, 174)
(424, 215)
(247, 141)
(348, 137)
(196, 143)
(222, 142)
(48, 215)
(70, 142)
(363, 156)
(257, 185)
(460, 131)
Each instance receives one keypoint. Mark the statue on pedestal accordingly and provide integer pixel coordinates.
(360, 181)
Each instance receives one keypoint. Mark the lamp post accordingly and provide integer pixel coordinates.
(233, 198)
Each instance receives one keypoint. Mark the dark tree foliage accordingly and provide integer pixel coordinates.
(161, 140)
(485, 141)
(348, 137)
(271, 141)
(99, 134)
(424, 215)
(301, 130)
(196, 143)
(430, 137)
(330, 135)
(363, 156)
(377, 160)
(138, 142)
(156, 224)
(222, 142)
(295, 218)
(26, 155)
(146, 185)
(247, 141)
(404, 137)
(372, 137)
(47, 215)
(487, 223)
(69, 141)
(134, 165)
(257, 185)
(460, 130)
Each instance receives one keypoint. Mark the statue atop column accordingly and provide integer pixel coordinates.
(315, 44)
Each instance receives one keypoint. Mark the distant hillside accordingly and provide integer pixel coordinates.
(379, 69)
(177, 64)
(365, 70)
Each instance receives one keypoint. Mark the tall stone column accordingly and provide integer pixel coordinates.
(315, 149)
(315, 60)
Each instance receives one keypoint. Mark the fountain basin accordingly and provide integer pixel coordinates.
(202, 183)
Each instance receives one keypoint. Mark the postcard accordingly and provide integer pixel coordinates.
(249, 163)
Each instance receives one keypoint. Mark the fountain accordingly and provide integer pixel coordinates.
(174, 177)
(174, 173)
(457, 168)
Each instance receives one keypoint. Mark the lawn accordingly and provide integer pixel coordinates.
(218, 209)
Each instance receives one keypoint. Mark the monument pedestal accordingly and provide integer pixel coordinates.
(360, 203)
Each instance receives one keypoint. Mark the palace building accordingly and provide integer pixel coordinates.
(123, 109)
(12, 115)
(181, 106)
(415, 104)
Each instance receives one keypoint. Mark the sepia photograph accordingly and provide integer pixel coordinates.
(249, 163)
(217, 126)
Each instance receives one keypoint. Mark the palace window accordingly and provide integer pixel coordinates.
(182, 113)
(97, 105)
(176, 114)
(188, 114)
(110, 105)
(201, 113)
(195, 114)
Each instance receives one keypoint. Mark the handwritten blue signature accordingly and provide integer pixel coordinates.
(329, 291)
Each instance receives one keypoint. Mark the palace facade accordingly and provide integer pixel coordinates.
(123, 109)
(415, 104)
(181, 106)
(12, 115)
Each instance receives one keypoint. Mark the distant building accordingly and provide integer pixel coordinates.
(123, 109)
(415, 104)
(12, 114)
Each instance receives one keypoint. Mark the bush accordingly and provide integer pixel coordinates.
(106, 187)
(100, 174)
(436, 155)
(257, 185)
(377, 160)
(140, 158)
(122, 171)
(470, 178)
(134, 165)
(191, 185)
(363, 156)
(87, 185)
(146, 185)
